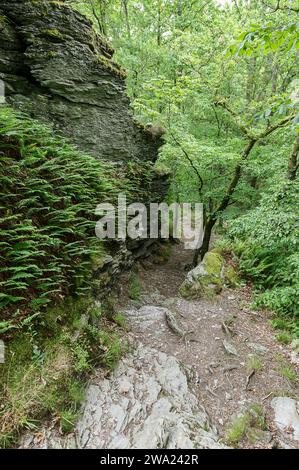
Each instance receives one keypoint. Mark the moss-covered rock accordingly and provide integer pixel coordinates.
(209, 277)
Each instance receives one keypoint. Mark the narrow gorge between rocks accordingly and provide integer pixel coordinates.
(136, 342)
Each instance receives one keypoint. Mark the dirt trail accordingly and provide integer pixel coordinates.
(235, 358)
(224, 379)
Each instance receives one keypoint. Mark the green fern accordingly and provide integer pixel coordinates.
(48, 194)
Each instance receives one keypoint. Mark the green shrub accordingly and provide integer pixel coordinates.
(120, 320)
(45, 372)
(284, 323)
(284, 337)
(237, 430)
(243, 425)
(266, 240)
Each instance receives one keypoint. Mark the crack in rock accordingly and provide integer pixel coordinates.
(146, 403)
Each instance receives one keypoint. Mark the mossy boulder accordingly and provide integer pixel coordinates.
(209, 277)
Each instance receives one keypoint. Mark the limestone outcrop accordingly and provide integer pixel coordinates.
(147, 403)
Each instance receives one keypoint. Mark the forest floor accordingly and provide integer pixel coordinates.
(235, 357)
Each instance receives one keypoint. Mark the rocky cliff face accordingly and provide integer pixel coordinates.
(56, 68)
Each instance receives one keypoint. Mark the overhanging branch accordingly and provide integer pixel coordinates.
(249, 133)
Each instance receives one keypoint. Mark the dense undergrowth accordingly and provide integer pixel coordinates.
(54, 332)
(47, 367)
(49, 192)
(266, 242)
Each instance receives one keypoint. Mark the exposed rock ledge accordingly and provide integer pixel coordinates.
(57, 68)
(147, 403)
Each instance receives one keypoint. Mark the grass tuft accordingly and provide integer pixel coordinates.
(243, 425)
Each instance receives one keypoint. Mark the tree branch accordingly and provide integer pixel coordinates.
(279, 7)
(293, 165)
(253, 139)
(246, 130)
(238, 120)
(276, 126)
(189, 159)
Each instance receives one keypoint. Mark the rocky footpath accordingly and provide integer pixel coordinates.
(200, 373)
(146, 403)
(246, 380)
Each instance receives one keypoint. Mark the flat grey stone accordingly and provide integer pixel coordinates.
(229, 348)
(258, 348)
(286, 414)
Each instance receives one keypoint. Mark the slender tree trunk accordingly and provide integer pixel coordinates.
(211, 221)
(274, 78)
(236, 178)
(251, 66)
(100, 17)
(136, 76)
(179, 8)
(200, 252)
(159, 26)
(253, 182)
(217, 121)
(99, 20)
(238, 9)
(126, 11)
(293, 160)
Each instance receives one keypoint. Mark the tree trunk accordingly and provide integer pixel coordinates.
(126, 11)
(253, 182)
(200, 252)
(293, 162)
(101, 6)
(159, 27)
(135, 87)
(274, 78)
(211, 221)
(99, 21)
